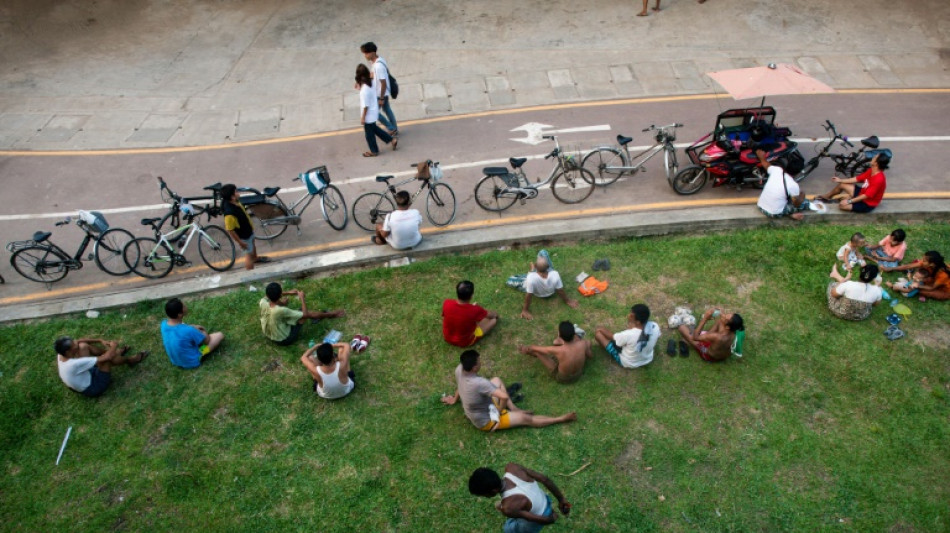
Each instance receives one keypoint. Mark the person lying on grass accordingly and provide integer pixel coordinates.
(487, 403)
(527, 507)
(187, 345)
(85, 365)
(282, 324)
(714, 345)
(632, 347)
(565, 360)
(332, 376)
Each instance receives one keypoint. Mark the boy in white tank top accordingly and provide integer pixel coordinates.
(523, 501)
(332, 376)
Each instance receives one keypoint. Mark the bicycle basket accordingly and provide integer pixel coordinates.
(94, 219)
(316, 179)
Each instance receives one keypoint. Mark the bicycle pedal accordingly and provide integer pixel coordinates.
(642, 169)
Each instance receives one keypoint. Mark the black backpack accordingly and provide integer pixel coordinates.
(393, 85)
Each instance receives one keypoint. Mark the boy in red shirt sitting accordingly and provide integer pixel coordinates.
(463, 322)
(865, 197)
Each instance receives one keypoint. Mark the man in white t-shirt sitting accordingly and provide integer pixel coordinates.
(632, 347)
(780, 199)
(543, 282)
(85, 365)
(400, 229)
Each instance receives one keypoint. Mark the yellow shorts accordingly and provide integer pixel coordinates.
(504, 422)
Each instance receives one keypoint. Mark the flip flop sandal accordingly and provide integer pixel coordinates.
(684, 349)
(263, 259)
(893, 333)
(364, 343)
(375, 240)
(671, 348)
(369, 154)
(513, 388)
(395, 142)
(819, 198)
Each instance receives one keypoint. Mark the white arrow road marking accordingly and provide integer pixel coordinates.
(457, 166)
(536, 130)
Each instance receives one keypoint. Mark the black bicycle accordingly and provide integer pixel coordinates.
(41, 260)
(850, 164)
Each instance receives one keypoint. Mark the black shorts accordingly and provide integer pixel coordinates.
(861, 207)
(100, 382)
(292, 338)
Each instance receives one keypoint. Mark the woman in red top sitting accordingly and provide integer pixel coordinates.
(861, 198)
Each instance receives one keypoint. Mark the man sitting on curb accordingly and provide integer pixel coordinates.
(527, 507)
(401, 227)
(463, 322)
(282, 324)
(332, 378)
(185, 344)
(715, 345)
(543, 281)
(486, 402)
(632, 347)
(565, 360)
(781, 195)
(85, 365)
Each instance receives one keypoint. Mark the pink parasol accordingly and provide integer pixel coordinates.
(774, 79)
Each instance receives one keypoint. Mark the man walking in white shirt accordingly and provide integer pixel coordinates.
(383, 87)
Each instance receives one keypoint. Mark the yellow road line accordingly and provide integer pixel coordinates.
(598, 211)
(433, 120)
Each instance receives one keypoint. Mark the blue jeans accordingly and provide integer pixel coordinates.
(877, 253)
(520, 525)
(372, 131)
(389, 120)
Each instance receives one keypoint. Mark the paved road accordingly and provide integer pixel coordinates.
(117, 181)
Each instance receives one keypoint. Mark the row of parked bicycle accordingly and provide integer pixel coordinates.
(117, 252)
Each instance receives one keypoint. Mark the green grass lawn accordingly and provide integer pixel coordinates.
(824, 425)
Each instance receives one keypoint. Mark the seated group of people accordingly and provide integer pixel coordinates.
(85, 365)
(491, 405)
(853, 299)
(781, 196)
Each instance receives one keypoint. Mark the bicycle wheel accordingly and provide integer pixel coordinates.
(40, 263)
(108, 251)
(149, 259)
(264, 212)
(491, 194)
(859, 168)
(573, 186)
(334, 208)
(370, 209)
(172, 218)
(597, 162)
(690, 180)
(669, 160)
(216, 248)
(440, 204)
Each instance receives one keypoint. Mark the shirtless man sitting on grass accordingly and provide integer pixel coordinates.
(565, 360)
(714, 345)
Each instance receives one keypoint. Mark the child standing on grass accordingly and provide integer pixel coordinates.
(850, 253)
(890, 251)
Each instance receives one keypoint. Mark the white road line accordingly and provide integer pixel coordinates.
(457, 166)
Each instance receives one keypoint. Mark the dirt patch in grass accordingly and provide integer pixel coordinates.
(745, 288)
(937, 338)
(156, 439)
(631, 455)
(901, 527)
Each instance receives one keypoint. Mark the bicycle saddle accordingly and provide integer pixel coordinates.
(41, 236)
(216, 187)
(149, 221)
(383, 179)
(495, 171)
(871, 142)
(271, 191)
(516, 162)
(623, 140)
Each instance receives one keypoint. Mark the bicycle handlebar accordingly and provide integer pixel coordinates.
(655, 127)
(65, 221)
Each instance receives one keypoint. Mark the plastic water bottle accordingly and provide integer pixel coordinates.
(333, 337)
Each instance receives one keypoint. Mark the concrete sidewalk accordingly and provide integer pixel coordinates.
(638, 224)
(138, 74)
